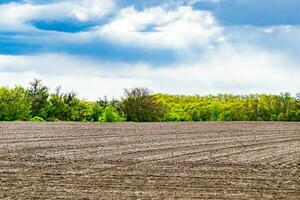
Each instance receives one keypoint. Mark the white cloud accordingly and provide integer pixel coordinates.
(219, 67)
(227, 69)
(89, 78)
(154, 28)
(161, 28)
(14, 16)
(85, 10)
(191, 2)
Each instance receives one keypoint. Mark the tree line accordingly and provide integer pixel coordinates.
(36, 103)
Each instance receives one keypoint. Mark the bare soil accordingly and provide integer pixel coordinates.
(234, 160)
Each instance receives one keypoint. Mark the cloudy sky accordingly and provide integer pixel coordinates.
(99, 47)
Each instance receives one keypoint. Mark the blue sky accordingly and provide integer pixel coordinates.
(99, 47)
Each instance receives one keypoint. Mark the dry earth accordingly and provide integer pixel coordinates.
(240, 160)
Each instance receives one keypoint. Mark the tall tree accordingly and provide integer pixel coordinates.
(140, 105)
(38, 94)
(14, 104)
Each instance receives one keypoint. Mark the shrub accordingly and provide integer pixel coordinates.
(109, 115)
(226, 116)
(273, 117)
(53, 119)
(95, 110)
(37, 119)
(140, 105)
(171, 117)
(14, 104)
(281, 117)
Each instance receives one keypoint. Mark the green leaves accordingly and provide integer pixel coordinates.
(14, 104)
(38, 94)
(139, 105)
(230, 107)
(110, 115)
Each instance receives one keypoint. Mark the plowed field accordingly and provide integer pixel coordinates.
(234, 160)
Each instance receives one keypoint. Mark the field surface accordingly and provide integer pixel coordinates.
(240, 160)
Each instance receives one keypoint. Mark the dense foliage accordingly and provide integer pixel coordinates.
(14, 104)
(231, 107)
(138, 105)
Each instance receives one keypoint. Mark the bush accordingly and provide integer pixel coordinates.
(226, 116)
(14, 104)
(37, 119)
(140, 105)
(53, 119)
(95, 110)
(110, 115)
(273, 117)
(171, 117)
(259, 119)
(281, 117)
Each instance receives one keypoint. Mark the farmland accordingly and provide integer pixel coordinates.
(211, 160)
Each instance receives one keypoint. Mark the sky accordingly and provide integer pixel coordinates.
(100, 47)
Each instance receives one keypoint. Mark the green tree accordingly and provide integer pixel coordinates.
(79, 110)
(96, 110)
(140, 106)
(58, 108)
(38, 94)
(110, 115)
(67, 107)
(14, 104)
(171, 117)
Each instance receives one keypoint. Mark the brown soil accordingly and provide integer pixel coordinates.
(235, 160)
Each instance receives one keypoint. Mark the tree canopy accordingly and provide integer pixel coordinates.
(36, 103)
